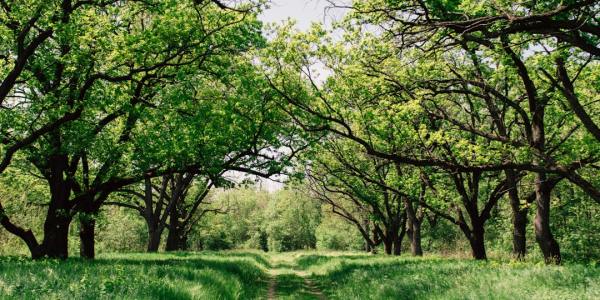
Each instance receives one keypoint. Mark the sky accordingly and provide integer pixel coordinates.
(305, 12)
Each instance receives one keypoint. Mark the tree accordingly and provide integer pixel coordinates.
(295, 218)
(355, 185)
(113, 99)
(176, 198)
(561, 29)
(461, 89)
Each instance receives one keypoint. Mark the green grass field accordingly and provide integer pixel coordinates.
(297, 275)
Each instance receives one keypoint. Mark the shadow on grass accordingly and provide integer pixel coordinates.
(397, 279)
(252, 279)
(259, 258)
(179, 276)
(306, 261)
(291, 286)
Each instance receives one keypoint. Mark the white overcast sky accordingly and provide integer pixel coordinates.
(305, 12)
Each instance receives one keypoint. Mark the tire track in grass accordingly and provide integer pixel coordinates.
(289, 284)
(315, 291)
(285, 282)
(272, 288)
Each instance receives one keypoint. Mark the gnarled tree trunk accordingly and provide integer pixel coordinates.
(176, 241)
(154, 235)
(58, 217)
(414, 234)
(519, 217)
(87, 235)
(543, 233)
(177, 237)
(477, 242)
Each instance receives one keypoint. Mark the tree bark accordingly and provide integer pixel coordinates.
(519, 217)
(413, 224)
(397, 240)
(397, 246)
(56, 235)
(87, 234)
(477, 242)
(415, 238)
(520, 233)
(153, 240)
(543, 233)
(58, 217)
(177, 238)
(87, 227)
(387, 246)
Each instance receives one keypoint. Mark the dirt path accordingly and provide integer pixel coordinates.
(294, 287)
(272, 289)
(315, 291)
(286, 282)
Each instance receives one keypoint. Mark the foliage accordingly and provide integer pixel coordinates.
(478, 96)
(293, 221)
(333, 233)
(282, 221)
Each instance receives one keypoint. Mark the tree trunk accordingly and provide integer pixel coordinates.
(398, 236)
(397, 245)
(87, 234)
(413, 224)
(368, 244)
(543, 233)
(155, 230)
(56, 226)
(153, 240)
(364, 231)
(177, 237)
(176, 240)
(519, 217)
(415, 239)
(387, 245)
(519, 232)
(87, 228)
(477, 242)
(58, 217)
(56, 235)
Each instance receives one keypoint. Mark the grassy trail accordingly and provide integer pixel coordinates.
(272, 289)
(288, 282)
(300, 275)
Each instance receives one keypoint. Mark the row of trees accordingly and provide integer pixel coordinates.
(448, 107)
(427, 109)
(100, 95)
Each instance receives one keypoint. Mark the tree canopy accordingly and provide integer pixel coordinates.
(400, 114)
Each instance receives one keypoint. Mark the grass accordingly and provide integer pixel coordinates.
(298, 275)
(136, 276)
(438, 278)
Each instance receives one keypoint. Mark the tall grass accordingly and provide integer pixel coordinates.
(378, 277)
(135, 276)
(245, 275)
